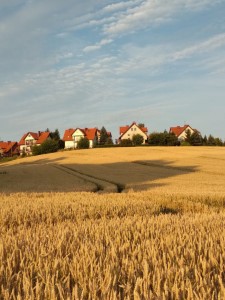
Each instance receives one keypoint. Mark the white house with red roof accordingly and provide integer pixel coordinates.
(8, 149)
(181, 131)
(127, 132)
(32, 138)
(72, 136)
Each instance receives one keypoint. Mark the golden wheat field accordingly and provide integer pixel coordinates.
(123, 223)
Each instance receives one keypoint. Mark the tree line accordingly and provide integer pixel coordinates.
(154, 139)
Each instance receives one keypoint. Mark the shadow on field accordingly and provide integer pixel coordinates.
(52, 175)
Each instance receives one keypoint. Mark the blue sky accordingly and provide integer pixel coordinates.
(67, 64)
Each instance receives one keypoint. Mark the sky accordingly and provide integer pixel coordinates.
(93, 63)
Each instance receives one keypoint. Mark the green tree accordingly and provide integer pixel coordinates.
(126, 143)
(211, 141)
(171, 139)
(83, 143)
(103, 136)
(48, 146)
(163, 139)
(205, 140)
(188, 136)
(196, 139)
(36, 150)
(137, 139)
(109, 141)
(218, 142)
(157, 139)
(55, 135)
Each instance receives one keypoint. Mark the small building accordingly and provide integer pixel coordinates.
(181, 131)
(127, 132)
(30, 139)
(8, 149)
(72, 136)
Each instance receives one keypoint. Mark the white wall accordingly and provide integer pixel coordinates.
(182, 136)
(132, 131)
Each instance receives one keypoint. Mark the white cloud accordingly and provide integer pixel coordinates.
(152, 12)
(206, 46)
(121, 5)
(97, 46)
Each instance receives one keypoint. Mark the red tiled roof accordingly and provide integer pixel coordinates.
(8, 147)
(179, 129)
(124, 129)
(22, 141)
(68, 134)
(40, 137)
(43, 137)
(89, 133)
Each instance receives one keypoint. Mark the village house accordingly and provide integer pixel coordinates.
(181, 131)
(127, 132)
(8, 149)
(30, 139)
(72, 136)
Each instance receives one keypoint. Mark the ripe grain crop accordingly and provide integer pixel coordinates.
(111, 246)
(161, 238)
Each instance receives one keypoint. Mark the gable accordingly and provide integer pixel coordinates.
(68, 134)
(180, 131)
(30, 137)
(78, 132)
(128, 131)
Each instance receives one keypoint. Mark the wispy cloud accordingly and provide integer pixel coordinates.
(152, 12)
(98, 46)
(110, 58)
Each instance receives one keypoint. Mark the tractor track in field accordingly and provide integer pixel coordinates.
(102, 185)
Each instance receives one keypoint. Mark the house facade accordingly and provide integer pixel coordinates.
(8, 149)
(127, 132)
(72, 136)
(181, 131)
(30, 139)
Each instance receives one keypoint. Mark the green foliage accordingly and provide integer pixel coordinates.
(163, 139)
(55, 135)
(23, 153)
(126, 143)
(61, 144)
(196, 139)
(218, 142)
(137, 139)
(109, 141)
(103, 136)
(36, 150)
(184, 143)
(205, 141)
(188, 136)
(83, 143)
(48, 146)
(156, 139)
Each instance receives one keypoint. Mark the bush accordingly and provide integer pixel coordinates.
(49, 146)
(83, 143)
(163, 139)
(137, 139)
(126, 143)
